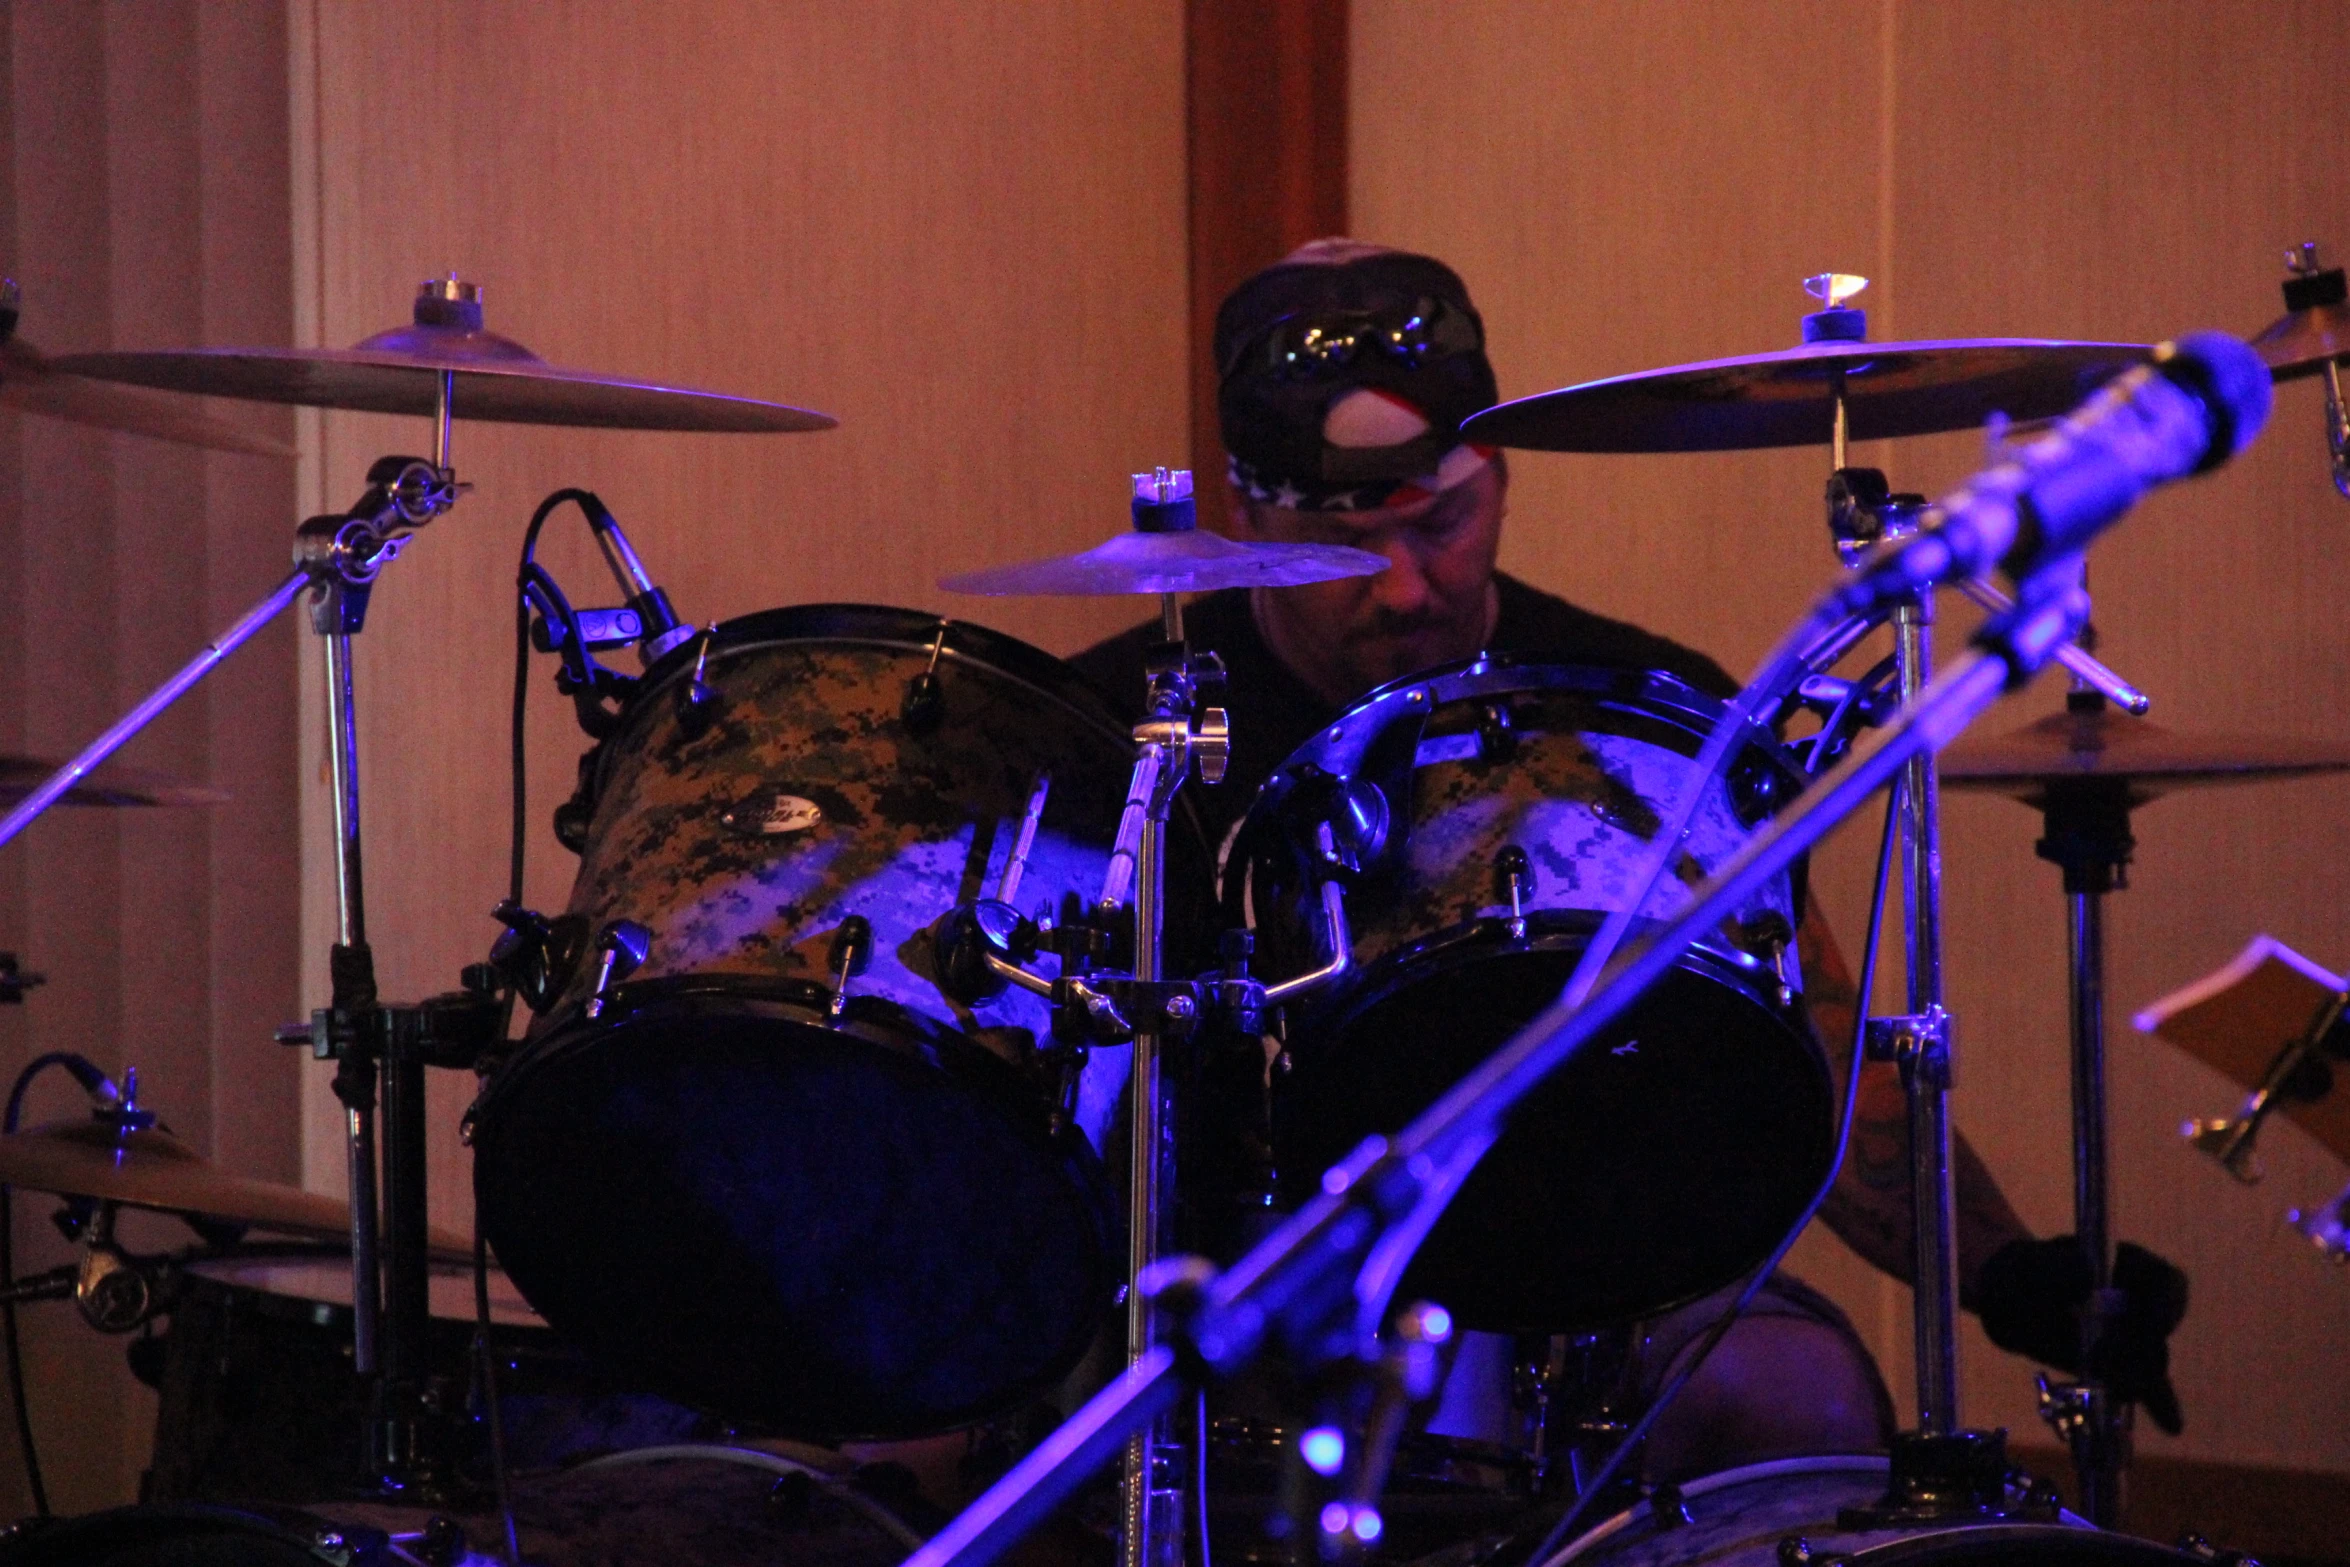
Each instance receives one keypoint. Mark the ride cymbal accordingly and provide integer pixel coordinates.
(1787, 397)
(110, 783)
(150, 1168)
(1182, 562)
(400, 371)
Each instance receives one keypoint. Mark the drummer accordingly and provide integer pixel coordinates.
(1346, 370)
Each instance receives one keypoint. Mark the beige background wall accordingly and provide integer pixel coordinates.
(958, 228)
(143, 200)
(1632, 185)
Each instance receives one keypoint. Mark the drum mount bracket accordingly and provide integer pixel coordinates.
(1919, 1043)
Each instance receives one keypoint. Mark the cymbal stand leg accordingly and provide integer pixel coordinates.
(2094, 1440)
(1151, 1490)
(1926, 1071)
(2088, 836)
(1154, 1504)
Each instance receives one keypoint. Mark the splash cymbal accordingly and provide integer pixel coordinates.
(1184, 562)
(150, 1168)
(399, 372)
(110, 783)
(1787, 397)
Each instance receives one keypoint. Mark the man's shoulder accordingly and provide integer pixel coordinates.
(1535, 624)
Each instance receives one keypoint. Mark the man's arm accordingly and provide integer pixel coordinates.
(1869, 1207)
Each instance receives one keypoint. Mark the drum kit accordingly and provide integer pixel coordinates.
(895, 951)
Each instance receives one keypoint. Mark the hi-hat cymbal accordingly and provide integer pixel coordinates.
(1184, 562)
(399, 372)
(30, 380)
(1787, 398)
(2146, 759)
(110, 783)
(150, 1168)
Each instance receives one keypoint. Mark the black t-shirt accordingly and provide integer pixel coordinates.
(1273, 712)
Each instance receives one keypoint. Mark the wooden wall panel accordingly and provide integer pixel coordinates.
(1634, 186)
(145, 192)
(1266, 154)
(961, 229)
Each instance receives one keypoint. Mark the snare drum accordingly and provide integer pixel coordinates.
(838, 1204)
(1490, 815)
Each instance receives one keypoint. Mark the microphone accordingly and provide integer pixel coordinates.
(661, 628)
(2199, 403)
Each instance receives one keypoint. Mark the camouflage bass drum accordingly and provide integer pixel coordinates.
(832, 1209)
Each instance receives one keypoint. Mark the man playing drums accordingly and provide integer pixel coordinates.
(1346, 371)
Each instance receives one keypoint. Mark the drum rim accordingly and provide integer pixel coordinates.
(1721, 1479)
(1493, 674)
(897, 628)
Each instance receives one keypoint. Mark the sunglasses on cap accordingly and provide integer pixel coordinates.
(1308, 347)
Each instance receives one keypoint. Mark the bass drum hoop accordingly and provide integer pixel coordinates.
(2068, 1538)
(877, 625)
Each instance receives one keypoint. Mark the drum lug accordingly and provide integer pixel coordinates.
(1497, 735)
(624, 944)
(925, 705)
(850, 955)
(1513, 878)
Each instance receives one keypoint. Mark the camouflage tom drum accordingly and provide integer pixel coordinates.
(834, 1210)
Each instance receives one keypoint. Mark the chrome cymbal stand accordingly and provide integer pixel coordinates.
(2088, 837)
(337, 558)
(1941, 1469)
(1153, 1491)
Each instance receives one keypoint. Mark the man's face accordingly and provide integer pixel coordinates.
(1433, 604)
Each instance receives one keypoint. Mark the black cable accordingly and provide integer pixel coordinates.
(93, 1081)
(1561, 1531)
(527, 572)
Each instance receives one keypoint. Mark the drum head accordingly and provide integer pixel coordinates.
(814, 1228)
(1660, 1164)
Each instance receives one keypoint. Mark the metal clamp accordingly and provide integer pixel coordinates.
(1917, 1042)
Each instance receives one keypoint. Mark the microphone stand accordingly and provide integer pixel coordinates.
(1320, 1282)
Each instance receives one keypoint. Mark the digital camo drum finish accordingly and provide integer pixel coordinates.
(1672, 1154)
(1787, 1512)
(856, 1221)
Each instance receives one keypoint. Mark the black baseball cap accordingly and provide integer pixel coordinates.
(1344, 372)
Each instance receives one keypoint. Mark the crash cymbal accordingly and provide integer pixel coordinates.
(31, 381)
(1185, 562)
(110, 783)
(1786, 398)
(150, 1168)
(2094, 742)
(399, 372)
